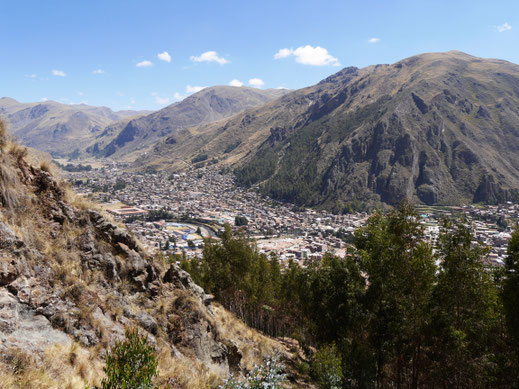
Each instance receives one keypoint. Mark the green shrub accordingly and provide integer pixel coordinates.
(200, 158)
(326, 368)
(131, 364)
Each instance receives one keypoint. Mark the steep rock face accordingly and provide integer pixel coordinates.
(436, 128)
(68, 274)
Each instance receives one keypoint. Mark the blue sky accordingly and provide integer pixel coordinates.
(52, 49)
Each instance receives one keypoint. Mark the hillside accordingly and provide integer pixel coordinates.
(439, 128)
(210, 104)
(57, 128)
(71, 281)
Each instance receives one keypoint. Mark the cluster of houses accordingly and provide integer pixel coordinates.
(201, 201)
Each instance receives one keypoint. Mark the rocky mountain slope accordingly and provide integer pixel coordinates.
(71, 281)
(135, 137)
(57, 128)
(439, 128)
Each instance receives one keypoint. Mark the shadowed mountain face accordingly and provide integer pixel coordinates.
(57, 128)
(438, 128)
(208, 105)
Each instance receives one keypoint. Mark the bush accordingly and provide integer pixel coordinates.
(267, 376)
(130, 364)
(200, 158)
(327, 369)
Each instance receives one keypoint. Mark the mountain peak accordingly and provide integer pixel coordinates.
(208, 105)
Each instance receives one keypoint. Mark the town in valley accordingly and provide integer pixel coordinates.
(173, 213)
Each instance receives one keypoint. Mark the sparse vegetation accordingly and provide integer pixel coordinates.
(69, 167)
(199, 158)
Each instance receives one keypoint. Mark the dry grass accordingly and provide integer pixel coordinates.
(8, 183)
(61, 367)
(254, 346)
(186, 372)
(19, 153)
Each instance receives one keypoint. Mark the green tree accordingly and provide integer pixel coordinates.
(330, 295)
(400, 271)
(511, 296)
(240, 221)
(466, 317)
(130, 364)
(119, 184)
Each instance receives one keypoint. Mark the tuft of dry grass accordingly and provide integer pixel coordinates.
(61, 366)
(8, 183)
(19, 153)
(187, 372)
(3, 135)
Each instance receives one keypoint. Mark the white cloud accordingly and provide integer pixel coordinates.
(80, 94)
(235, 82)
(44, 99)
(33, 76)
(59, 73)
(98, 71)
(194, 89)
(144, 64)
(374, 40)
(164, 56)
(309, 55)
(209, 56)
(177, 96)
(283, 53)
(160, 100)
(504, 27)
(256, 82)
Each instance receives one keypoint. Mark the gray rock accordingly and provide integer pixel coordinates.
(181, 279)
(147, 322)
(8, 238)
(23, 328)
(9, 270)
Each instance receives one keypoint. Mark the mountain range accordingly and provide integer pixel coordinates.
(436, 128)
(57, 128)
(133, 137)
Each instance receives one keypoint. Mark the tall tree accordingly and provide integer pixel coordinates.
(400, 269)
(511, 296)
(466, 314)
